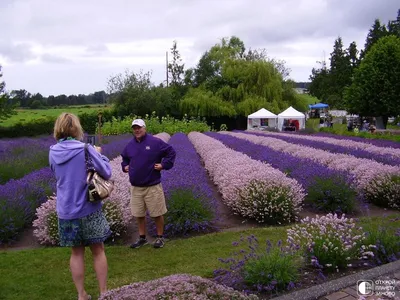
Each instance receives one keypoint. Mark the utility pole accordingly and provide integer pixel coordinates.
(166, 65)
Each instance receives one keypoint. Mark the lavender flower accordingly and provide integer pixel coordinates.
(178, 286)
(251, 188)
(386, 155)
(366, 172)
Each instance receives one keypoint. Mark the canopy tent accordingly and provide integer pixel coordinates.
(291, 114)
(261, 119)
(318, 106)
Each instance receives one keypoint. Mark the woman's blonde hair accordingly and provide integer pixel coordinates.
(68, 125)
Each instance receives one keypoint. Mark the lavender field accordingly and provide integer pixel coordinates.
(266, 177)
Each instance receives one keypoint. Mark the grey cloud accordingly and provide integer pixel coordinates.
(50, 58)
(19, 52)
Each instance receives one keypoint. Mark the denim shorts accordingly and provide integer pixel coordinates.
(85, 231)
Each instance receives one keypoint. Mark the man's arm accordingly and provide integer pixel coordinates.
(125, 160)
(169, 154)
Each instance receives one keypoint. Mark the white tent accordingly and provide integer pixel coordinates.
(261, 119)
(291, 114)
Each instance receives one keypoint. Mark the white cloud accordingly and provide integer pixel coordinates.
(71, 47)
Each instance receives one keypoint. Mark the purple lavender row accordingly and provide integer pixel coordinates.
(304, 170)
(377, 182)
(388, 156)
(249, 187)
(20, 198)
(375, 142)
(21, 156)
(188, 174)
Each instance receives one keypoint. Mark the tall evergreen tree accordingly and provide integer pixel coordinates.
(6, 106)
(377, 31)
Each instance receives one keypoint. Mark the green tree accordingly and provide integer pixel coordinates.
(176, 68)
(6, 104)
(394, 25)
(377, 31)
(376, 87)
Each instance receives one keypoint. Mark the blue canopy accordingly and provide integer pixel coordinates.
(318, 105)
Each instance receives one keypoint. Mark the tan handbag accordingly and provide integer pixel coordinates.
(98, 187)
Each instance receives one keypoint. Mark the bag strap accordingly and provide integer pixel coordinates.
(88, 160)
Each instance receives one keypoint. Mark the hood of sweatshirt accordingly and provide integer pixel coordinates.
(65, 151)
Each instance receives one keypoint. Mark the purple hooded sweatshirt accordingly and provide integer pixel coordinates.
(67, 161)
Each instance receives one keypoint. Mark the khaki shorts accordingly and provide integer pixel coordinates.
(148, 198)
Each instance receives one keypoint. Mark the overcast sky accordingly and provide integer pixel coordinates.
(74, 46)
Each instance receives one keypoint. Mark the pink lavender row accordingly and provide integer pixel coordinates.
(377, 182)
(304, 170)
(375, 142)
(20, 198)
(390, 156)
(250, 188)
(188, 174)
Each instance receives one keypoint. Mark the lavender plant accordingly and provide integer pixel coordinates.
(232, 172)
(365, 171)
(327, 190)
(386, 155)
(386, 240)
(329, 242)
(19, 200)
(190, 201)
(46, 224)
(179, 286)
(273, 269)
(368, 141)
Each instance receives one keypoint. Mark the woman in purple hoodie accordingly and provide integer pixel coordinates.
(81, 223)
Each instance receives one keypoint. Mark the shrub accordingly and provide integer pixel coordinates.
(235, 174)
(179, 286)
(46, 223)
(384, 191)
(274, 269)
(187, 213)
(329, 242)
(331, 195)
(385, 240)
(267, 204)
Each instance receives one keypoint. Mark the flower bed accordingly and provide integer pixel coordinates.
(20, 198)
(251, 188)
(376, 182)
(116, 208)
(327, 190)
(385, 155)
(179, 286)
(375, 142)
(190, 202)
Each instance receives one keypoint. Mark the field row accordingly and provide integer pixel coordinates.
(258, 176)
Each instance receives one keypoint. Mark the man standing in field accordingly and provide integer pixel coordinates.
(144, 158)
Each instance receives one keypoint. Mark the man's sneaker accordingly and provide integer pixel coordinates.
(139, 243)
(159, 242)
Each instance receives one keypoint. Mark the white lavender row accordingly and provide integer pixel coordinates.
(250, 188)
(386, 155)
(377, 182)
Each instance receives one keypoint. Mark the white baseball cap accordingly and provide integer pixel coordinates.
(138, 122)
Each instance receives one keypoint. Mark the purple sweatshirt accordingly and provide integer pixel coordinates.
(142, 156)
(67, 160)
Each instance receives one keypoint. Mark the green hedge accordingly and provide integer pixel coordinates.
(45, 125)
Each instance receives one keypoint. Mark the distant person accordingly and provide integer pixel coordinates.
(81, 223)
(144, 158)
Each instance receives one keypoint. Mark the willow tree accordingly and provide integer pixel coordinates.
(235, 82)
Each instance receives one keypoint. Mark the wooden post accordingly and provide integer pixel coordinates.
(99, 131)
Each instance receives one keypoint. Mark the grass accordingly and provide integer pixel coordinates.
(26, 115)
(44, 273)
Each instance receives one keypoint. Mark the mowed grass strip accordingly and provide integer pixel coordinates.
(44, 273)
(27, 115)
